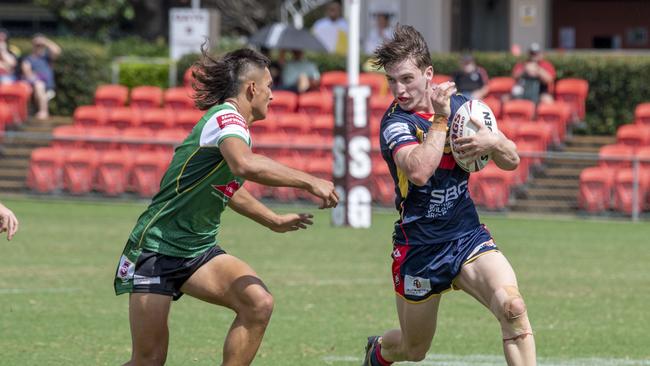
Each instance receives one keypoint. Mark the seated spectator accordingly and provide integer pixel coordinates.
(300, 75)
(381, 32)
(37, 70)
(332, 29)
(7, 59)
(535, 77)
(471, 80)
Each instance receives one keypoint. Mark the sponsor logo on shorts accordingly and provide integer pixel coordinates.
(144, 280)
(126, 269)
(488, 244)
(416, 286)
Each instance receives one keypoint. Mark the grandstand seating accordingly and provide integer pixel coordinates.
(495, 106)
(144, 97)
(595, 192)
(642, 114)
(178, 98)
(330, 79)
(440, 78)
(68, 137)
(500, 86)
(113, 172)
(101, 138)
(148, 169)
(624, 190)
(633, 135)
(379, 104)
(284, 101)
(187, 119)
(16, 97)
(157, 119)
(491, 187)
(574, 92)
(316, 103)
(518, 110)
(123, 117)
(111, 95)
(90, 116)
(45, 170)
(78, 171)
(556, 115)
(615, 156)
(137, 139)
(376, 81)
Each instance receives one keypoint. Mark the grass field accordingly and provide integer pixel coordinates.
(587, 285)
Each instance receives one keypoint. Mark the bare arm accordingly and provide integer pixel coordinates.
(7, 60)
(8, 222)
(52, 47)
(245, 204)
(258, 168)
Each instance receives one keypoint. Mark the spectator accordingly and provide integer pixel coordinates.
(535, 77)
(332, 30)
(37, 70)
(380, 33)
(300, 75)
(7, 59)
(471, 80)
(275, 67)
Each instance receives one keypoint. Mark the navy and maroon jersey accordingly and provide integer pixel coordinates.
(439, 211)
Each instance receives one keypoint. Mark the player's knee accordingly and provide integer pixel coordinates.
(261, 308)
(514, 309)
(514, 318)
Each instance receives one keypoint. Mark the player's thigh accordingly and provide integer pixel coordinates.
(418, 321)
(228, 281)
(485, 276)
(148, 314)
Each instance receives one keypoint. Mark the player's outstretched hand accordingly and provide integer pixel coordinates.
(324, 190)
(291, 222)
(8, 222)
(441, 97)
(482, 143)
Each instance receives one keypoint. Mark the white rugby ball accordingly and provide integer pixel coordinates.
(462, 127)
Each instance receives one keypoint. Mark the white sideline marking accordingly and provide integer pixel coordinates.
(489, 360)
(12, 291)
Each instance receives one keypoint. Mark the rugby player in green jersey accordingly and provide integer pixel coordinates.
(173, 248)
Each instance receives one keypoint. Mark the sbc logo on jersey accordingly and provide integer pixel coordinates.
(228, 190)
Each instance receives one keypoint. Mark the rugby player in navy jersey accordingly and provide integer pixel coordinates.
(438, 241)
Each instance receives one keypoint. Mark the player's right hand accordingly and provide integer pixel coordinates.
(324, 190)
(8, 222)
(441, 97)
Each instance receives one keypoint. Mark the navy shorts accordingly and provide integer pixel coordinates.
(422, 271)
(157, 273)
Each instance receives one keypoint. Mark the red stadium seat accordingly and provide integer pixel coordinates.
(518, 110)
(178, 98)
(595, 193)
(527, 158)
(45, 170)
(642, 114)
(615, 156)
(556, 115)
(440, 78)
(376, 81)
(284, 101)
(90, 116)
(330, 79)
(111, 95)
(102, 138)
(267, 125)
(16, 97)
(146, 96)
(272, 145)
(148, 169)
(624, 200)
(5, 115)
(493, 187)
(137, 139)
(316, 103)
(633, 135)
(322, 125)
(157, 119)
(495, 106)
(68, 137)
(293, 124)
(112, 172)
(574, 92)
(500, 86)
(79, 171)
(534, 132)
(187, 119)
(168, 139)
(123, 117)
(381, 183)
(380, 104)
(508, 128)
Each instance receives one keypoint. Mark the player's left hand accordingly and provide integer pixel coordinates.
(291, 222)
(482, 143)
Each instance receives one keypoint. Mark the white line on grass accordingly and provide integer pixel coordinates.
(13, 291)
(489, 360)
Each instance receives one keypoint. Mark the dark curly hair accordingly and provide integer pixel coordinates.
(216, 80)
(407, 43)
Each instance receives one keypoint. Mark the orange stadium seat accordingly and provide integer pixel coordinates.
(102, 138)
(624, 200)
(381, 183)
(633, 135)
(146, 96)
(440, 78)
(379, 104)
(136, 139)
(79, 171)
(5, 114)
(284, 101)
(556, 115)
(267, 125)
(615, 156)
(493, 187)
(157, 119)
(595, 193)
(111, 95)
(642, 114)
(314, 103)
(376, 81)
(330, 79)
(16, 97)
(518, 110)
(508, 128)
(500, 86)
(148, 169)
(574, 92)
(112, 172)
(45, 170)
(526, 150)
(534, 132)
(187, 119)
(68, 137)
(271, 144)
(292, 124)
(90, 116)
(178, 98)
(123, 117)
(495, 106)
(168, 139)
(322, 125)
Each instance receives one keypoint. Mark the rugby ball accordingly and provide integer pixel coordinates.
(462, 127)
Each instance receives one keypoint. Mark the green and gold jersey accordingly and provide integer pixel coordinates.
(184, 217)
